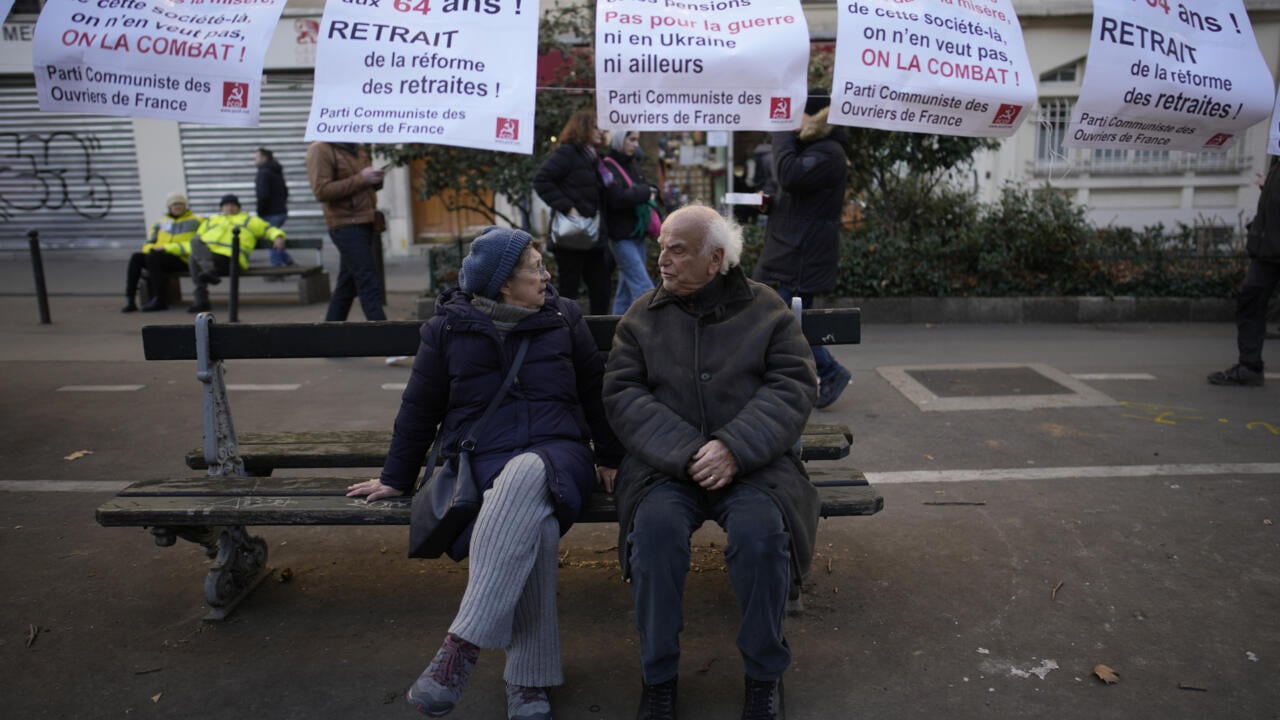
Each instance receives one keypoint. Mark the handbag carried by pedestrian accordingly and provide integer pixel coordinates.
(573, 232)
(448, 501)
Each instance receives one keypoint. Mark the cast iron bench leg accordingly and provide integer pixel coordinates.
(239, 565)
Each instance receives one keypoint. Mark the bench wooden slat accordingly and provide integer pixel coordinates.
(282, 271)
(186, 502)
(837, 326)
(368, 448)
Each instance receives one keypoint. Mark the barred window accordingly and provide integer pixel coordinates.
(1052, 118)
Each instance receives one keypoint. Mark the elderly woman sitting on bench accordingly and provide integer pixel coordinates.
(533, 460)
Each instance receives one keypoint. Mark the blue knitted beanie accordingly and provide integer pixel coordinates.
(493, 257)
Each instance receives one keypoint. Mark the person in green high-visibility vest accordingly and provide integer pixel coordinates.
(211, 248)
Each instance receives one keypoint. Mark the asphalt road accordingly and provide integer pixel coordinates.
(1018, 548)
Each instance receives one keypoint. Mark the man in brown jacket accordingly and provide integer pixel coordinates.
(344, 181)
(708, 386)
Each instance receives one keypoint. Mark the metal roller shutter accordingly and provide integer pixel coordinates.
(219, 159)
(72, 177)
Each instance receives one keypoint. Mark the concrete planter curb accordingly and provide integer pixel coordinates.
(1017, 309)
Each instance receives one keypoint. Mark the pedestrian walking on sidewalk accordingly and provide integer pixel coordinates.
(345, 182)
(1260, 281)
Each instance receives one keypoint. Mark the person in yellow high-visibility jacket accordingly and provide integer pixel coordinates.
(211, 248)
(167, 249)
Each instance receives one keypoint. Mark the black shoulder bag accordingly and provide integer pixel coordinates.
(448, 501)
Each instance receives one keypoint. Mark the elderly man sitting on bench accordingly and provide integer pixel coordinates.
(212, 247)
(708, 386)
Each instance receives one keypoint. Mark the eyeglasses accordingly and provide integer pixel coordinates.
(537, 270)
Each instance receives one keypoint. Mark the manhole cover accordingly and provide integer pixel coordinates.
(987, 382)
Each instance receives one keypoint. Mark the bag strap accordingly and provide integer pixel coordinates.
(618, 167)
(469, 443)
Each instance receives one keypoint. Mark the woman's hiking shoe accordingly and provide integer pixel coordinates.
(440, 685)
(1239, 375)
(658, 702)
(763, 700)
(527, 703)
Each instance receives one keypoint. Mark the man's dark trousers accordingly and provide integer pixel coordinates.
(1251, 310)
(758, 558)
(356, 274)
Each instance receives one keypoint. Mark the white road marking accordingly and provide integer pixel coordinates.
(86, 486)
(265, 388)
(1271, 376)
(1072, 473)
(1113, 376)
(99, 388)
(394, 386)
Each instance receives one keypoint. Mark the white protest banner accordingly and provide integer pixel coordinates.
(448, 72)
(169, 59)
(946, 67)
(711, 65)
(1164, 76)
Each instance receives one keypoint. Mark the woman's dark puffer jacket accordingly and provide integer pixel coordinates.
(553, 408)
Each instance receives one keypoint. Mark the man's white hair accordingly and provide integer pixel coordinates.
(717, 232)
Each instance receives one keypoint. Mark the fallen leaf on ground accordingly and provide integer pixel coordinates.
(928, 457)
(78, 454)
(1189, 686)
(286, 575)
(156, 698)
(1266, 521)
(1106, 674)
(32, 633)
(1054, 595)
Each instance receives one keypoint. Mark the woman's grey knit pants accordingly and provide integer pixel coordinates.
(510, 601)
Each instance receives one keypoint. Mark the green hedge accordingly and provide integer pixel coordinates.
(1030, 242)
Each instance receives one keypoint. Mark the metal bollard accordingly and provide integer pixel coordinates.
(233, 311)
(37, 266)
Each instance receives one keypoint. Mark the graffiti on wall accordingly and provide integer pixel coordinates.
(51, 172)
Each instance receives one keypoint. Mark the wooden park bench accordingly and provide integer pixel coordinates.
(237, 492)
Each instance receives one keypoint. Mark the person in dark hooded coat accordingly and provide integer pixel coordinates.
(802, 245)
(534, 460)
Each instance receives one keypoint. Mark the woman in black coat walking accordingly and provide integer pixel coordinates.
(569, 182)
